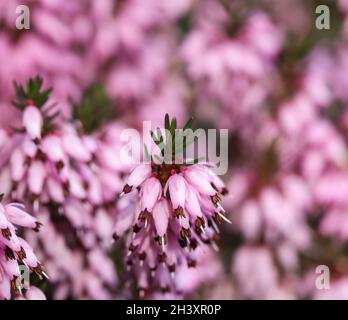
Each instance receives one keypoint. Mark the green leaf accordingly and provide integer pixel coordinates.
(173, 127)
(94, 109)
(188, 124)
(31, 91)
(174, 145)
(166, 122)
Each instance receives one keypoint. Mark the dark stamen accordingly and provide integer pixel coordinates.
(162, 257)
(37, 226)
(171, 268)
(136, 228)
(6, 233)
(191, 263)
(185, 233)
(179, 212)
(144, 215)
(21, 254)
(115, 236)
(215, 199)
(127, 189)
(142, 256)
(9, 254)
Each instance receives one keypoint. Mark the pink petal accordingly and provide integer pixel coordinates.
(139, 174)
(199, 181)
(109, 157)
(192, 203)
(29, 148)
(32, 121)
(102, 265)
(20, 217)
(3, 218)
(76, 185)
(5, 287)
(36, 177)
(160, 215)
(55, 190)
(17, 165)
(111, 181)
(10, 266)
(30, 259)
(125, 217)
(177, 190)
(73, 145)
(52, 147)
(74, 213)
(95, 190)
(13, 242)
(151, 192)
(34, 293)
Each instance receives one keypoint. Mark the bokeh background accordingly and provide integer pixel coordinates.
(258, 68)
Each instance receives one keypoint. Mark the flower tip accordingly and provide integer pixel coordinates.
(38, 226)
(30, 102)
(126, 189)
(115, 237)
(33, 122)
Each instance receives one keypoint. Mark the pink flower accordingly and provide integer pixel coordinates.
(255, 272)
(170, 223)
(36, 177)
(200, 181)
(137, 177)
(62, 178)
(74, 146)
(15, 251)
(15, 212)
(34, 293)
(32, 122)
(177, 190)
(151, 193)
(161, 215)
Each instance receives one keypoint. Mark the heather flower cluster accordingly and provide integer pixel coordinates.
(16, 252)
(177, 209)
(87, 70)
(70, 178)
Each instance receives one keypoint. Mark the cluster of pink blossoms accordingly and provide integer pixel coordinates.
(16, 252)
(176, 210)
(71, 181)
